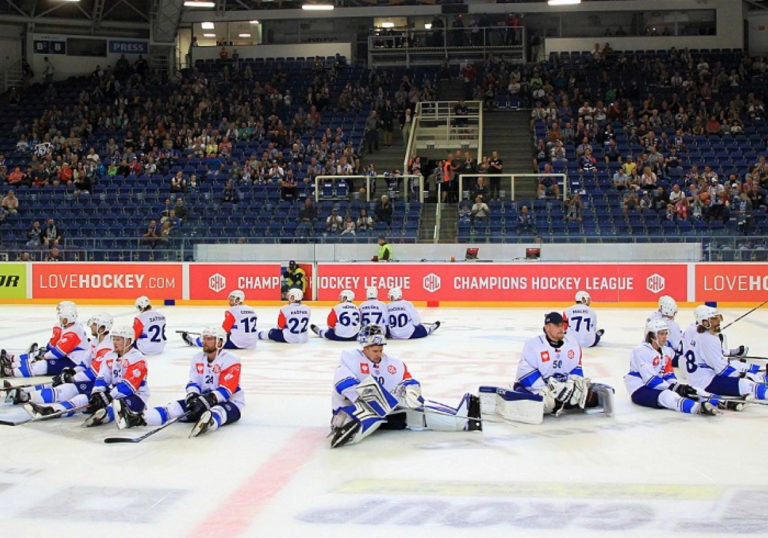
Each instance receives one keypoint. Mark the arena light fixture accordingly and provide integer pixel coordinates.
(243, 35)
(427, 25)
(207, 25)
(563, 2)
(317, 7)
(387, 24)
(209, 35)
(195, 3)
(254, 22)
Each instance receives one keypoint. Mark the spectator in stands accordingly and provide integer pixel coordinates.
(385, 251)
(660, 199)
(756, 196)
(525, 222)
(364, 220)
(479, 188)
(348, 227)
(180, 210)
(372, 132)
(386, 115)
(574, 207)
(334, 223)
(547, 186)
(682, 208)
(150, 237)
(465, 211)
(383, 210)
(620, 180)
(35, 235)
(178, 183)
(557, 154)
(717, 200)
(10, 203)
(630, 201)
(648, 179)
(53, 255)
(51, 234)
(23, 257)
(495, 166)
(289, 187)
(231, 195)
(16, 177)
(480, 210)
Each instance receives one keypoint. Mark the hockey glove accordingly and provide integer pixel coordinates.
(740, 351)
(200, 404)
(580, 391)
(67, 375)
(686, 391)
(408, 394)
(99, 400)
(561, 390)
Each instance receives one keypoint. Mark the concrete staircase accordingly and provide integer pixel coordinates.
(508, 133)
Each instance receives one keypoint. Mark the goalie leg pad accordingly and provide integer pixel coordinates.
(487, 396)
(604, 395)
(375, 397)
(519, 406)
(443, 418)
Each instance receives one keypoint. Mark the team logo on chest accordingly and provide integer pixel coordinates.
(545, 356)
(364, 368)
(217, 369)
(391, 369)
(200, 367)
(656, 361)
(124, 363)
(571, 354)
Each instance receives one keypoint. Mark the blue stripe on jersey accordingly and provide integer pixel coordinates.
(193, 386)
(224, 393)
(48, 395)
(671, 377)
(728, 371)
(687, 405)
(59, 354)
(577, 371)
(344, 384)
(753, 369)
(530, 379)
(163, 414)
(90, 373)
(655, 381)
(99, 384)
(124, 388)
(636, 374)
(410, 382)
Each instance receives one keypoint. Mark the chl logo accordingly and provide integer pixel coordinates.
(655, 283)
(431, 282)
(217, 282)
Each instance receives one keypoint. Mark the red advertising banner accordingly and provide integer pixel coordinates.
(106, 280)
(731, 282)
(260, 282)
(506, 282)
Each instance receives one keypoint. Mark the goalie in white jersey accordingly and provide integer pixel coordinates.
(709, 370)
(550, 369)
(149, 328)
(372, 390)
(239, 324)
(214, 397)
(666, 312)
(403, 320)
(373, 311)
(581, 321)
(651, 380)
(292, 321)
(343, 320)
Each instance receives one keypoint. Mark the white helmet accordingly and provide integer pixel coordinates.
(372, 335)
(102, 319)
(295, 295)
(667, 305)
(123, 331)
(142, 303)
(655, 326)
(583, 297)
(67, 312)
(347, 296)
(217, 332)
(236, 296)
(372, 293)
(395, 294)
(704, 313)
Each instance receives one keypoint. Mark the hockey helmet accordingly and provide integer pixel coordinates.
(67, 312)
(236, 297)
(395, 294)
(372, 335)
(655, 326)
(102, 319)
(347, 296)
(64, 304)
(583, 297)
(295, 295)
(667, 306)
(705, 313)
(123, 331)
(217, 332)
(142, 303)
(372, 293)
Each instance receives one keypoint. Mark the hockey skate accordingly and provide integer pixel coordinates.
(315, 329)
(15, 396)
(708, 409)
(204, 423)
(125, 418)
(6, 364)
(730, 405)
(341, 435)
(433, 326)
(32, 351)
(38, 411)
(96, 419)
(187, 339)
(600, 332)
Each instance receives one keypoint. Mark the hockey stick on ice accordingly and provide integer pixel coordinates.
(112, 440)
(744, 315)
(8, 387)
(32, 418)
(188, 332)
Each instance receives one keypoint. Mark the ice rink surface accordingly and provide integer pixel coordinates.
(642, 472)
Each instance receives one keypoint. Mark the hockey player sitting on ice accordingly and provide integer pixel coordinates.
(149, 328)
(403, 320)
(651, 381)
(239, 324)
(373, 390)
(343, 321)
(550, 371)
(214, 397)
(122, 376)
(72, 381)
(581, 321)
(292, 322)
(667, 312)
(67, 349)
(373, 310)
(710, 371)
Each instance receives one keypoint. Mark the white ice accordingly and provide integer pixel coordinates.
(642, 472)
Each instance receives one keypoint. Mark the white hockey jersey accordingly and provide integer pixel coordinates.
(240, 323)
(355, 366)
(651, 368)
(540, 361)
(344, 318)
(294, 321)
(675, 334)
(707, 353)
(222, 376)
(73, 343)
(149, 328)
(99, 350)
(123, 376)
(402, 319)
(582, 323)
(374, 311)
